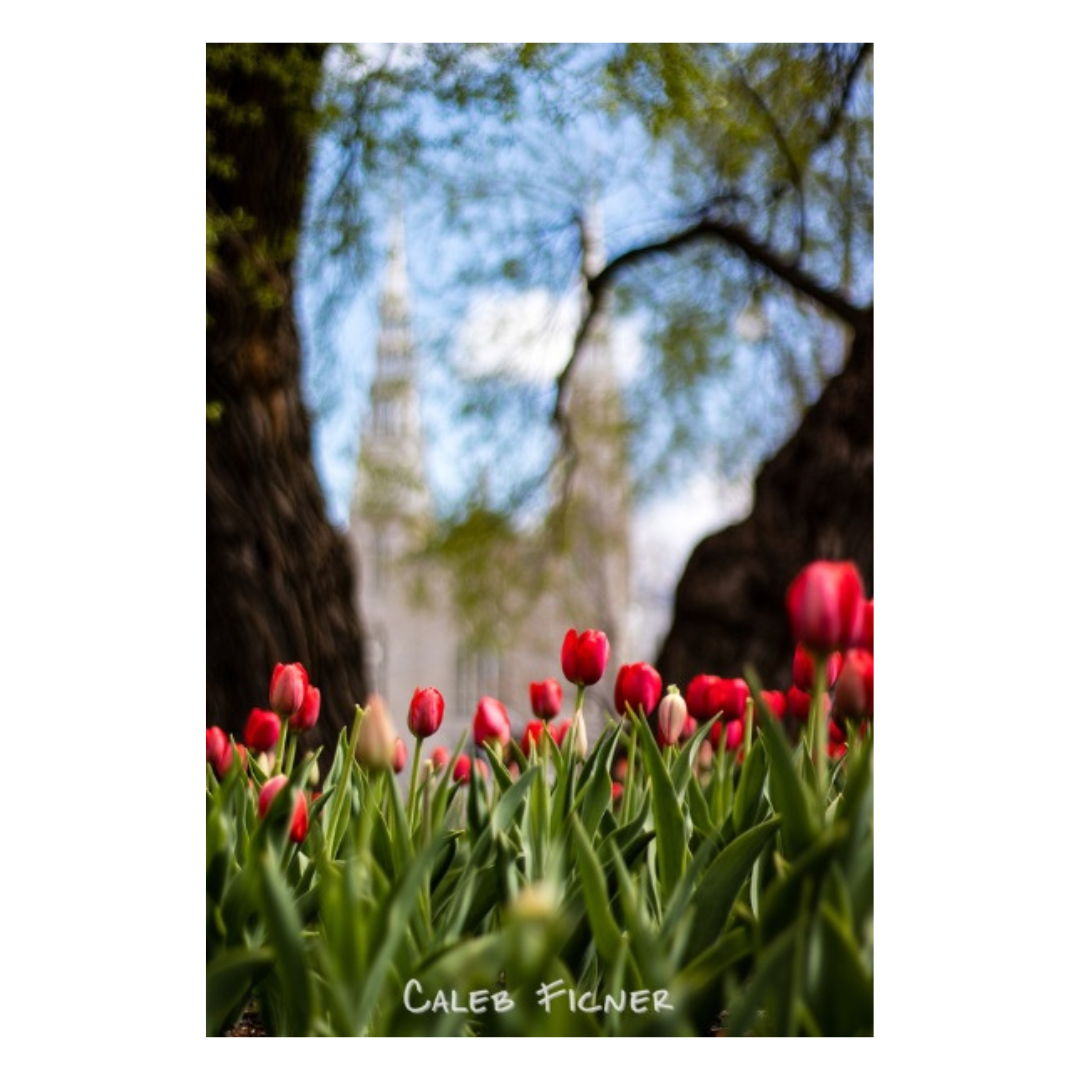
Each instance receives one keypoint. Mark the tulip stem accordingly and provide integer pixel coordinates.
(412, 781)
(748, 728)
(290, 753)
(279, 753)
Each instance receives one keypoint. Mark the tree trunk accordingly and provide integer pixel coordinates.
(279, 581)
(813, 500)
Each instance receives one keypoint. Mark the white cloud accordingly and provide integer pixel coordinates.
(528, 336)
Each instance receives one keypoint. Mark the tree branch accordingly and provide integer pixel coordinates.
(705, 228)
(795, 175)
(832, 124)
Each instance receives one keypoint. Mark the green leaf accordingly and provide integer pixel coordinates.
(788, 793)
(671, 831)
(597, 794)
(751, 789)
(683, 768)
(285, 933)
(722, 882)
(395, 912)
(597, 904)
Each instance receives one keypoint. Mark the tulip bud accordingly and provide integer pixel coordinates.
(426, 712)
(618, 770)
(776, 702)
(637, 686)
(616, 791)
(490, 722)
(545, 698)
(439, 757)
(375, 742)
(578, 736)
(802, 668)
(585, 656)
(287, 687)
(855, 687)
(798, 704)
(672, 717)
(307, 716)
(299, 826)
(401, 755)
(716, 733)
(262, 730)
(823, 604)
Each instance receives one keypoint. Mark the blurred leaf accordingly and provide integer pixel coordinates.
(230, 978)
(286, 938)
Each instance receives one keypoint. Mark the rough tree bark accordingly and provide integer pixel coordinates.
(813, 500)
(279, 581)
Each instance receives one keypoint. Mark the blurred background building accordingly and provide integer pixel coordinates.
(415, 633)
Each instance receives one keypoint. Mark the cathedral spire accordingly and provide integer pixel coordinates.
(391, 481)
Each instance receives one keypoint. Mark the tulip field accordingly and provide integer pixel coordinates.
(704, 867)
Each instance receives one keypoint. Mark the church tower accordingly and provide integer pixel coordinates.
(392, 502)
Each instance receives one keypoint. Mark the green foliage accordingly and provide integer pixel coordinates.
(750, 925)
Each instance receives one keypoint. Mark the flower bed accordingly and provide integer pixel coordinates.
(709, 871)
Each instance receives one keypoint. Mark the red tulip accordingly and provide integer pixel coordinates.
(262, 730)
(287, 687)
(401, 755)
(619, 769)
(863, 638)
(798, 703)
(734, 735)
(533, 737)
(616, 791)
(733, 695)
(490, 722)
(426, 712)
(776, 702)
(299, 826)
(688, 729)
(217, 743)
(836, 732)
(802, 668)
(703, 697)
(637, 686)
(219, 752)
(584, 657)
(855, 687)
(307, 715)
(716, 733)
(439, 757)
(545, 697)
(463, 768)
(557, 729)
(671, 718)
(823, 604)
